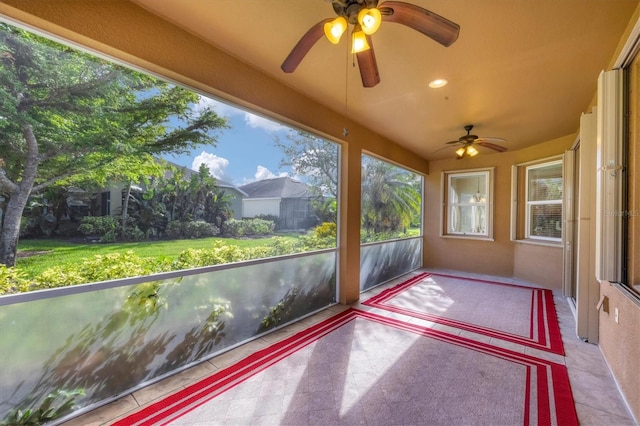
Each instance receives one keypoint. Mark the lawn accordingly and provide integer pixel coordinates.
(34, 256)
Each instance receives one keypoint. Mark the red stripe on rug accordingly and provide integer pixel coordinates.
(565, 411)
(547, 321)
(252, 364)
(527, 398)
(191, 397)
(565, 406)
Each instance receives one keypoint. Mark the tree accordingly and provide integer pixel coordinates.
(313, 157)
(389, 196)
(64, 113)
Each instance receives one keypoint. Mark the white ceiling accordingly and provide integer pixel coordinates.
(520, 70)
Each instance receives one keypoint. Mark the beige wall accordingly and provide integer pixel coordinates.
(620, 342)
(502, 256)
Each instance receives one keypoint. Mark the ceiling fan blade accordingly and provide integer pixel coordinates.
(422, 20)
(368, 66)
(491, 146)
(452, 142)
(303, 46)
(498, 140)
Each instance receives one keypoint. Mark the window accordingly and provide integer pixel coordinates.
(544, 201)
(113, 172)
(391, 201)
(467, 201)
(537, 189)
(391, 221)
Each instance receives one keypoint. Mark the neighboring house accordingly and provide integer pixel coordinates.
(237, 194)
(283, 197)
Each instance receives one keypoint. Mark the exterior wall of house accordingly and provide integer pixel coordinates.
(236, 202)
(252, 207)
(503, 257)
(109, 202)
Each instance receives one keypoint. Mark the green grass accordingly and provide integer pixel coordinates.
(59, 252)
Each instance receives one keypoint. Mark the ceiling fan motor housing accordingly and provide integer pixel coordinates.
(350, 8)
(468, 138)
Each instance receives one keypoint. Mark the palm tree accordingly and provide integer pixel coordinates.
(389, 197)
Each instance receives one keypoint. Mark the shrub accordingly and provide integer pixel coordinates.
(97, 225)
(248, 227)
(280, 247)
(199, 229)
(260, 227)
(326, 230)
(174, 229)
(13, 280)
(193, 229)
(109, 237)
(100, 268)
(268, 217)
(323, 236)
(219, 254)
(234, 228)
(367, 237)
(138, 234)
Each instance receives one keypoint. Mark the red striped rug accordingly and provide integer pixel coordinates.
(359, 367)
(518, 314)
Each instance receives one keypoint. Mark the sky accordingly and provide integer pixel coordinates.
(244, 153)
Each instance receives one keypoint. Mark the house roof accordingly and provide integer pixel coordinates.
(281, 187)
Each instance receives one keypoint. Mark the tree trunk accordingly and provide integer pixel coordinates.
(18, 197)
(11, 228)
(125, 210)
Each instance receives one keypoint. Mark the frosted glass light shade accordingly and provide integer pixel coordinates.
(333, 30)
(369, 20)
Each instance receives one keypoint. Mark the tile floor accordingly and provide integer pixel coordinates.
(597, 399)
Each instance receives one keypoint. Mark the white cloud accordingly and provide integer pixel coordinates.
(261, 174)
(262, 123)
(222, 109)
(264, 173)
(217, 165)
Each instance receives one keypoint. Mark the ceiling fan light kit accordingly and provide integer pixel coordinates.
(468, 141)
(366, 17)
(469, 150)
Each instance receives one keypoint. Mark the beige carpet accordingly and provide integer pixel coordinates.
(362, 368)
(518, 314)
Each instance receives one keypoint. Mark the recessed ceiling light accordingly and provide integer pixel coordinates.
(440, 82)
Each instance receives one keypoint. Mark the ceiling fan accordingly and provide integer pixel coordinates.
(468, 143)
(366, 17)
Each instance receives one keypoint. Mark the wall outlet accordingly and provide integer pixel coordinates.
(616, 315)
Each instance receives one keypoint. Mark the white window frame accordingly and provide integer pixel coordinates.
(445, 216)
(529, 203)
